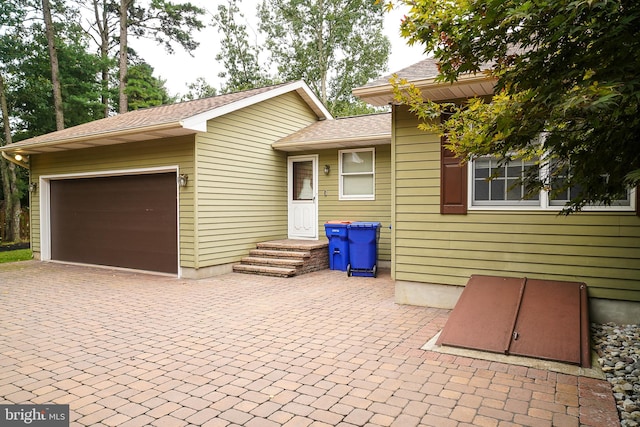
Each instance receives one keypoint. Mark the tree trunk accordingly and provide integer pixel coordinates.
(14, 233)
(8, 206)
(53, 56)
(123, 104)
(9, 181)
(101, 18)
(322, 60)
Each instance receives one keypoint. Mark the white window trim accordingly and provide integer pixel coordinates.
(543, 204)
(342, 196)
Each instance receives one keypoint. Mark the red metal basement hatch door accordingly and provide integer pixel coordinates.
(543, 319)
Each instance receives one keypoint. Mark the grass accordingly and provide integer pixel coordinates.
(17, 255)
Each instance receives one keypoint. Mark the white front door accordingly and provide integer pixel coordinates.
(303, 197)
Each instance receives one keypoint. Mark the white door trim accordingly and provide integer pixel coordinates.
(308, 208)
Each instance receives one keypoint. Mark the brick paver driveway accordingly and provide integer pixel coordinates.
(125, 349)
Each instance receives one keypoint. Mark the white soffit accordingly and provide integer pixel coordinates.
(466, 87)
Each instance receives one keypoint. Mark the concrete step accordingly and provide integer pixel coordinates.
(264, 270)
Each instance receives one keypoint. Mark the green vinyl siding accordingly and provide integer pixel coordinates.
(242, 182)
(178, 151)
(378, 210)
(601, 249)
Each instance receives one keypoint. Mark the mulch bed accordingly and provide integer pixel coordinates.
(14, 246)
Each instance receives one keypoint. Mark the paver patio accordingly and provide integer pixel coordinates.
(126, 349)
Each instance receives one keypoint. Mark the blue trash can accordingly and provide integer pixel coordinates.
(337, 232)
(363, 249)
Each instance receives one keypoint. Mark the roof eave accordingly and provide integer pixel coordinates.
(320, 144)
(164, 130)
(187, 126)
(466, 86)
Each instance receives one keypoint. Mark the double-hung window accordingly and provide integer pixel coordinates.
(559, 195)
(498, 185)
(357, 174)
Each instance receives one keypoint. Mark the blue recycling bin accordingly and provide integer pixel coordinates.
(337, 232)
(363, 249)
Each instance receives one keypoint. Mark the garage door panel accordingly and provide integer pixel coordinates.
(123, 221)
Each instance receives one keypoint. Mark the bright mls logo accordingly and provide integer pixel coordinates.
(34, 415)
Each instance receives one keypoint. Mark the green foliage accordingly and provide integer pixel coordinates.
(17, 255)
(143, 89)
(12, 13)
(566, 76)
(166, 23)
(333, 45)
(355, 108)
(199, 89)
(240, 59)
(25, 59)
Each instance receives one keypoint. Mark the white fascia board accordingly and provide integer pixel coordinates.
(199, 121)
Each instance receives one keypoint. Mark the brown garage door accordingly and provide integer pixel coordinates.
(122, 221)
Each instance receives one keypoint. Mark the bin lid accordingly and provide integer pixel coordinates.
(336, 225)
(365, 224)
(339, 221)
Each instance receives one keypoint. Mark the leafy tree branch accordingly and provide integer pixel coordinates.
(567, 86)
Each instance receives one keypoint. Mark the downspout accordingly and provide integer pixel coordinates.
(394, 116)
(14, 161)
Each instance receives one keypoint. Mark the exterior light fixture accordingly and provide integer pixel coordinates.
(183, 179)
(33, 187)
(18, 157)
(327, 169)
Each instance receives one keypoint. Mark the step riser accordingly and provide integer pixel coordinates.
(262, 271)
(273, 262)
(260, 253)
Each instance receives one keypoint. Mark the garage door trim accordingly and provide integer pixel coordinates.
(45, 201)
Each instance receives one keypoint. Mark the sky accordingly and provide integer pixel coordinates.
(180, 69)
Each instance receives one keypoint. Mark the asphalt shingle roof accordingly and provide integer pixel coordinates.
(354, 127)
(148, 117)
(425, 69)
